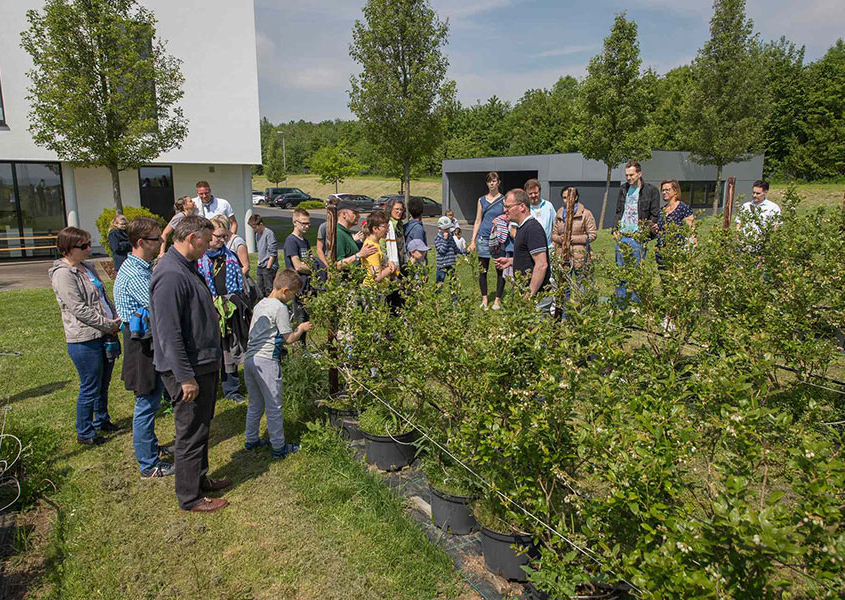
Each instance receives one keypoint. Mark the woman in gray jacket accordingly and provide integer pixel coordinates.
(90, 320)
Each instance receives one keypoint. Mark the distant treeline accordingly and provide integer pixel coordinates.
(805, 133)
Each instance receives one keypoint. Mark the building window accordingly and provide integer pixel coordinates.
(32, 208)
(698, 194)
(156, 185)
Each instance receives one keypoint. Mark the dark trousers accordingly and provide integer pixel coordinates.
(192, 421)
(484, 263)
(265, 279)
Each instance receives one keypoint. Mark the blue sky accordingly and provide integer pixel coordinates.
(502, 47)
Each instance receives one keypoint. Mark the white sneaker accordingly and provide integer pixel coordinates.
(496, 306)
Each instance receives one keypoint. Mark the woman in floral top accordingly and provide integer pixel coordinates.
(675, 214)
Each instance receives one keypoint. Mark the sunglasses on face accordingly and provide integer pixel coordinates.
(152, 239)
(84, 246)
(220, 236)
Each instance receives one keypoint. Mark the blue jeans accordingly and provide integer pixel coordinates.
(440, 274)
(231, 384)
(92, 404)
(637, 254)
(143, 428)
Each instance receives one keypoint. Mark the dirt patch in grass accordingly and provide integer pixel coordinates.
(27, 558)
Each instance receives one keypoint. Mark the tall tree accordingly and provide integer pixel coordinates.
(614, 107)
(783, 63)
(821, 153)
(543, 121)
(274, 161)
(671, 89)
(333, 164)
(401, 88)
(726, 111)
(104, 91)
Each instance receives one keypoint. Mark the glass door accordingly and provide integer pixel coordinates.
(9, 223)
(42, 210)
(156, 185)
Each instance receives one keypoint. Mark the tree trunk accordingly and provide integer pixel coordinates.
(115, 188)
(335, 186)
(331, 255)
(407, 183)
(604, 200)
(718, 196)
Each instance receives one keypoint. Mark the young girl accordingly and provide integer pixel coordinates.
(460, 242)
(377, 271)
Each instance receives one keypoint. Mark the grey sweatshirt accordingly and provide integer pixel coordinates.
(267, 246)
(83, 314)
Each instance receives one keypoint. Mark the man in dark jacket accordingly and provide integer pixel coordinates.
(637, 208)
(187, 352)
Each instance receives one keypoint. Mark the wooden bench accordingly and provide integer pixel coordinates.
(22, 240)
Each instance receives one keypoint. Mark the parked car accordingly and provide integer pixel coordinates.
(362, 203)
(272, 192)
(257, 197)
(431, 208)
(292, 199)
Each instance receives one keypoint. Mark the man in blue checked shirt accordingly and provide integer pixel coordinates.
(132, 300)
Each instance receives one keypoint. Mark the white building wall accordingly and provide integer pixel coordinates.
(215, 39)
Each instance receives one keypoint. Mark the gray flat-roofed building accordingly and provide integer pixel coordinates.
(463, 179)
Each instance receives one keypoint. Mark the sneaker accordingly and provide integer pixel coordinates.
(285, 451)
(496, 306)
(257, 444)
(162, 469)
(92, 441)
(108, 426)
(236, 398)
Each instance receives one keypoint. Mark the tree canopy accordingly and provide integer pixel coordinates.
(104, 91)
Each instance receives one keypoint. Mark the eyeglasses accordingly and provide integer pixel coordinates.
(221, 236)
(509, 206)
(152, 239)
(84, 246)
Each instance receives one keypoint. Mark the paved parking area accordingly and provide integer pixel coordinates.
(25, 274)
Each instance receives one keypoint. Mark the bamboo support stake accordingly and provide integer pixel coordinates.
(331, 255)
(729, 202)
(567, 228)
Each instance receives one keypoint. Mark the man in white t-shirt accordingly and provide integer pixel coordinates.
(209, 205)
(757, 216)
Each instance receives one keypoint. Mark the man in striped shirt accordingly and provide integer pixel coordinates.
(132, 299)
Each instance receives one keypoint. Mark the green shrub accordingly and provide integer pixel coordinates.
(311, 204)
(130, 212)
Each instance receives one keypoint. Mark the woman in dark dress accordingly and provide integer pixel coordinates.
(119, 241)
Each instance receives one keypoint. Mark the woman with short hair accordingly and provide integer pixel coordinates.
(90, 322)
(223, 275)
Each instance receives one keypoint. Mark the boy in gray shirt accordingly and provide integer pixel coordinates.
(269, 330)
(268, 254)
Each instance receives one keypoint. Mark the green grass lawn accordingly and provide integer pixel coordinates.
(316, 525)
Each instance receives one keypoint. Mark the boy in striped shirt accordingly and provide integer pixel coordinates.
(446, 249)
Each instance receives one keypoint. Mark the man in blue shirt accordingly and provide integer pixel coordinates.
(637, 208)
(132, 300)
(541, 209)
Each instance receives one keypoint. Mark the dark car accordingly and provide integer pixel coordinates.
(362, 203)
(430, 207)
(292, 199)
(272, 192)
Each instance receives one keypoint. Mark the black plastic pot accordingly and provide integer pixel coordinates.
(452, 513)
(500, 559)
(390, 453)
(346, 421)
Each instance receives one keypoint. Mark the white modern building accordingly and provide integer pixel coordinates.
(215, 40)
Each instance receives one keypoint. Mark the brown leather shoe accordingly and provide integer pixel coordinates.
(215, 485)
(207, 505)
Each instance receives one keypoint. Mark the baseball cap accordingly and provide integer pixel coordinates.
(417, 246)
(347, 205)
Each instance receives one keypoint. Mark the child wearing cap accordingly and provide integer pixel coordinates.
(447, 250)
(417, 251)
